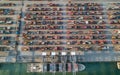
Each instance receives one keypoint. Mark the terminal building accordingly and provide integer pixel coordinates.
(59, 32)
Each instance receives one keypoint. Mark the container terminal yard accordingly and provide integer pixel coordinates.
(59, 37)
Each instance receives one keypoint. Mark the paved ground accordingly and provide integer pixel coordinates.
(88, 56)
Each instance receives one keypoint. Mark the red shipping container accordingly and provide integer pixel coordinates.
(69, 67)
